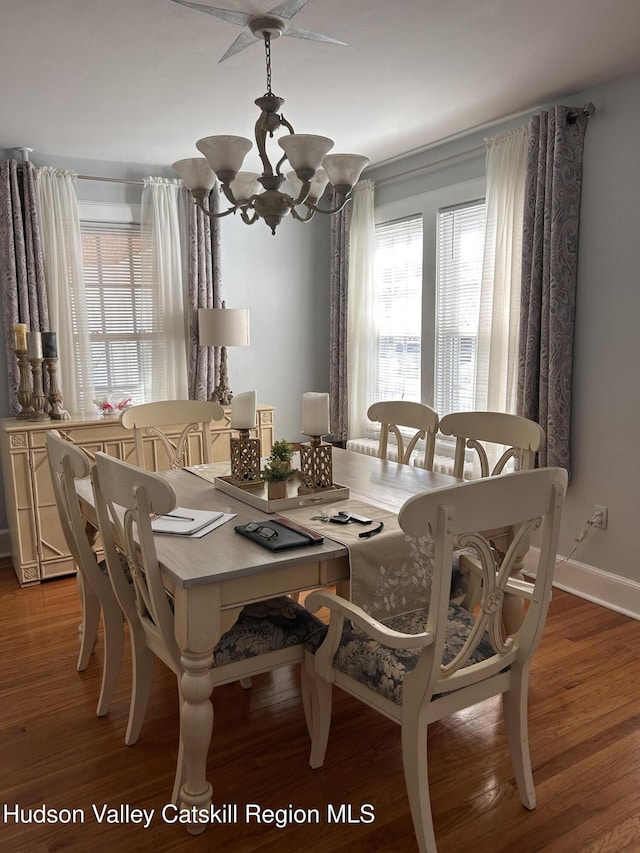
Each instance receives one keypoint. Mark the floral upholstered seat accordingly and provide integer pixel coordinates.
(381, 668)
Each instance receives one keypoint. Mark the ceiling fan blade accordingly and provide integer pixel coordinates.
(288, 9)
(243, 40)
(240, 18)
(307, 34)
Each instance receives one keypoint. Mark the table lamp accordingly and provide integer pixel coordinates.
(223, 327)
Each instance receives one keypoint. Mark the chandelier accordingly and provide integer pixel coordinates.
(256, 196)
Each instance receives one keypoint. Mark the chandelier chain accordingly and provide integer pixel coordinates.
(267, 50)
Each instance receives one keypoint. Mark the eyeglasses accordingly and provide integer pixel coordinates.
(265, 532)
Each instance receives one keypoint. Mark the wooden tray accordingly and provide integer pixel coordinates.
(257, 496)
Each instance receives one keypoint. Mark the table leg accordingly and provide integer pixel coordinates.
(197, 628)
(196, 728)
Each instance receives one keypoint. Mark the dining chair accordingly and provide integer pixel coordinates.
(398, 418)
(152, 419)
(493, 439)
(267, 634)
(68, 463)
(420, 667)
(518, 438)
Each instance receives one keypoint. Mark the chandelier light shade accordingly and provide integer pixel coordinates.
(259, 196)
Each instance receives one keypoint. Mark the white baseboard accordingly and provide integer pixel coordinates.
(593, 584)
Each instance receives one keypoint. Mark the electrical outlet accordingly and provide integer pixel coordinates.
(603, 516)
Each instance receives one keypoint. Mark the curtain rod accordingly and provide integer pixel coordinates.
(409, 172)
(588, 110)
(110, 180)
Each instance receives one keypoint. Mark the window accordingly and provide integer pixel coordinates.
(396, 336)
(460, 246)
(123, 314)
(428, 274)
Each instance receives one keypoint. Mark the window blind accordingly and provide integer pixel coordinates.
(123, 313)
(397, 312)
(460, 246)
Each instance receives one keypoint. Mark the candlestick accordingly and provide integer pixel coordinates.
(25, 388)
(315, 414)
(49, 344)
(38, 398)
(243, 410)
(34, 345)
(55, 397)
(316, 466)
(20, 334)
(245, 459)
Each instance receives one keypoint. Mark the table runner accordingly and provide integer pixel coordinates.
(390, 572)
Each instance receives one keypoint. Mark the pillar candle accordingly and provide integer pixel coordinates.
(315, 413)
(49, 345)
(243, 410)
(34, 344)
(20, 333)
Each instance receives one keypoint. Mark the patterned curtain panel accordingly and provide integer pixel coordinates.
(24, 295)
(549, 273)
(204, 286)
(338, 295)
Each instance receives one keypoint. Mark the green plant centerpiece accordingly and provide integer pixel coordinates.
(278, 470)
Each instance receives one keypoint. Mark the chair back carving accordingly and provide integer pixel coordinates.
(152, 419)
(455, 516)
(523, 438)
(393, 416)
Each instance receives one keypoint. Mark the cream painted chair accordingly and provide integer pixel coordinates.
(266, 635)
(397, 417)
(67, 464)
(421, 667)
(501, 437)
(520, 438)
(151, 419)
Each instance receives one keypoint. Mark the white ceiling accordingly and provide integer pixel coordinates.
(139, 80)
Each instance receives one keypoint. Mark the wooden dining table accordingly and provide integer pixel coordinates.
(213, 577)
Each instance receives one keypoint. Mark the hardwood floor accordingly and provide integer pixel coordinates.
(584, 733)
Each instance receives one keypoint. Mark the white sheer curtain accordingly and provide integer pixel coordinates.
(361, 259)
(496, 380)
(162, 273)
(64, 275)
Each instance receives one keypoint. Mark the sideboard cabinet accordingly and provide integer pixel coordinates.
(38, 549)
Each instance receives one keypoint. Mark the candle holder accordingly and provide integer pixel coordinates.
(38, 399)
(55, 397)
(25, 388)
(245, 460)
(316, 467)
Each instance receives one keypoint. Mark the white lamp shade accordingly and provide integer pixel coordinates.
(224, 153)
(244, 185)
(344, 169)
(196, 173)
(305, 150)
(318, 184)
(223, 327)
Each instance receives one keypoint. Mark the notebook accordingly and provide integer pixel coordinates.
(184, 521)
